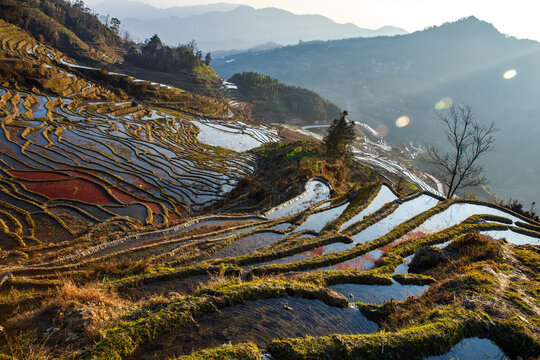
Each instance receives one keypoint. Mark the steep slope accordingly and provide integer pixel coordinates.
(76, 30)
(70, 28)
(365, 275)
(244, 27)
(381, 79)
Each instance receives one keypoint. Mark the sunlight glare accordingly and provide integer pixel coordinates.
(510, 74)
(403, 121)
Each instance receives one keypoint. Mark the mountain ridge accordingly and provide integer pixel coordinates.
(244, 27)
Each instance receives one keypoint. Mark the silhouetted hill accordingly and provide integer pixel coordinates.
(381, 79)
(239, 28)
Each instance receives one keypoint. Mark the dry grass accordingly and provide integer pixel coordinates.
(218, 280)
(159, 299)
(118, 268)
(23, 346)
(91, 293)
(72, 315)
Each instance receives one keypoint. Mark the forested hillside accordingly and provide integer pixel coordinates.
(276, 102)
(72, 28)
(76, 30)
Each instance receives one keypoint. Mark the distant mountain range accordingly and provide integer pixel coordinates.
(381, 79)
(126, 9)
(232, 26)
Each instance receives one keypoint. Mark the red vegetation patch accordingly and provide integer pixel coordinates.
(181, 210)
(38, 175)
(134, 181)
(122, 196)
(173, 217)
(387, 247)
(410, 235)
(360, 263)
(153, 206)
(415, 234)
(137, 181)
(15, 132)
(313, 253)
(76, 189)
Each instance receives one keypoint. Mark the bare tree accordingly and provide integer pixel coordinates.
(468, 140)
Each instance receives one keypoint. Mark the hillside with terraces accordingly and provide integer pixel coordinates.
(139, 220)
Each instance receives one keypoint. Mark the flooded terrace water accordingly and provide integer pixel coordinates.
(260, 322)
(473, 349)
(248, 244)
(378, 294)
(316, 222)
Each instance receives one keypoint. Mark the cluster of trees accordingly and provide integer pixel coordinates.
(301, 102)
(74, 16)
(155, 55)
(113, 24)
(339, 137)
(517, 206)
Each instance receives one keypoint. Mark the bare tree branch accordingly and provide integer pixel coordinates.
(469, 140)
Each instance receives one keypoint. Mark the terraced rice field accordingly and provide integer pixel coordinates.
(110, 160)
(310, 271)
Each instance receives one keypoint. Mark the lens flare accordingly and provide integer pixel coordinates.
(403, 121)
(444, 103)
(510, 74)
(382, 130)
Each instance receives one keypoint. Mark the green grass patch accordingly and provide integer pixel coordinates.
(248, 351)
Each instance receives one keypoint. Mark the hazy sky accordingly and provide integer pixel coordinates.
(519, 18)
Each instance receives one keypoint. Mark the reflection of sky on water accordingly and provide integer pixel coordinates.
(378, 294)
(473, 349)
